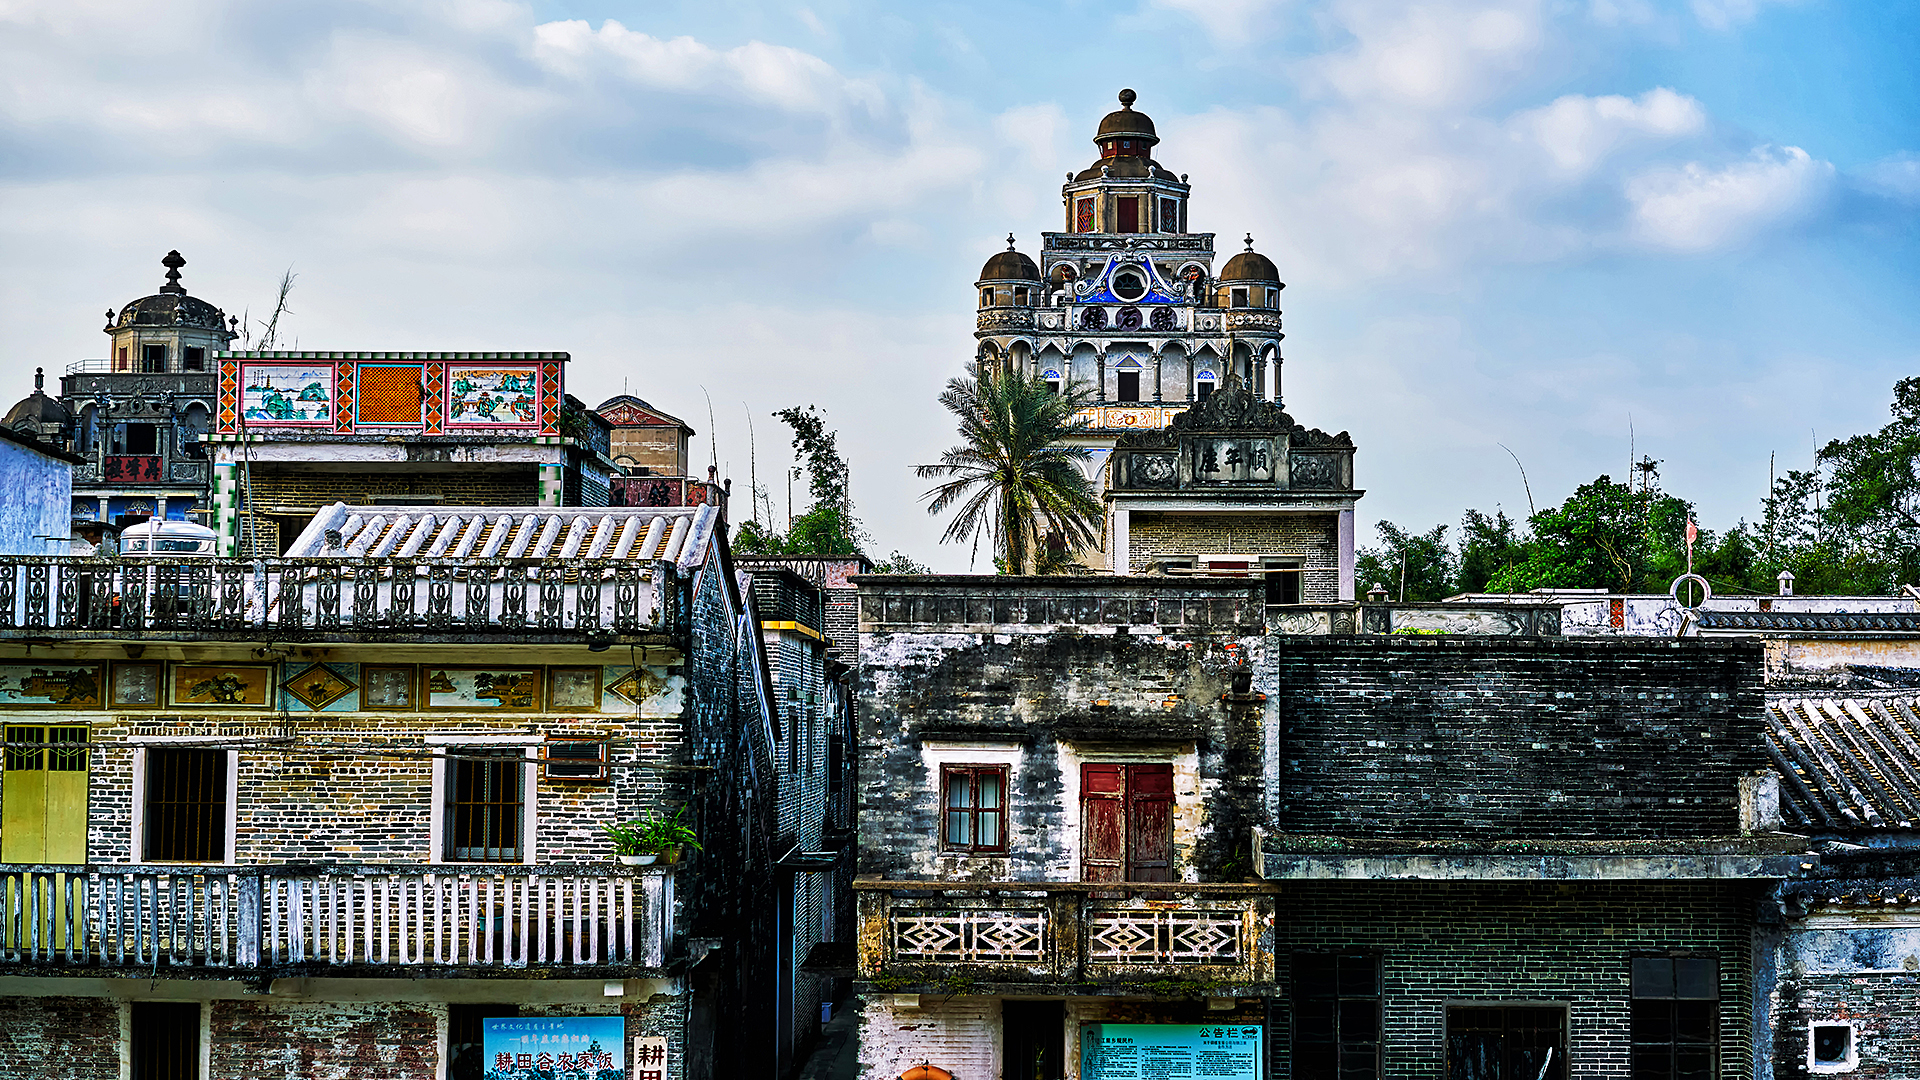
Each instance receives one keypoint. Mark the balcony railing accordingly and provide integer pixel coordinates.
(929, 933)
(303, 599)
(344, 916)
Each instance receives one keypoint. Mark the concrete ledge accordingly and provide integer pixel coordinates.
(1676, 867)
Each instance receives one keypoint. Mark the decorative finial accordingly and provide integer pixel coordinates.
(1127, 98)
(39, 379)
(1009, 241)
(173, 262)
(1249, 241)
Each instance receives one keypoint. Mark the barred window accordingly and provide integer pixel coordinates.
(1336, 1016)
(486, 804)
(186, 805)
(975, 797)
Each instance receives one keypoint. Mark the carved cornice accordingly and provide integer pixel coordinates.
(1233, 408)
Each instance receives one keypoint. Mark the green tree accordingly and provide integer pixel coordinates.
(1012, 479)
(1851, 524)
(1423, 561)
(828, 527)
(1488, 547)
(1605, 536)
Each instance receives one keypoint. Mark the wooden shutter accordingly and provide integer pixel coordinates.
(1126, 822)
(45, 811)
(1128, 211)
(1103, 822)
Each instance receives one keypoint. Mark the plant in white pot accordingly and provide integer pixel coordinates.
(644, 840)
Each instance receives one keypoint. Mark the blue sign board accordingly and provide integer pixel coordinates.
(554, 1048)
(1171, 1051)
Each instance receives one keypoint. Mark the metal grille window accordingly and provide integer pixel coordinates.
(186, 805)
(1506, 1042)
(165, 1040)
(486, 800)
(975, 798)
(1676, 1017)
(1336, 1016)
(576, 759)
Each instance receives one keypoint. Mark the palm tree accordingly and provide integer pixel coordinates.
(1011, 477)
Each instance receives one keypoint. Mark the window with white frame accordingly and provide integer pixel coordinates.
(184, 802)
(484, 807)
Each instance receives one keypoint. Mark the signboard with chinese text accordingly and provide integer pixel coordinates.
(1171, 1051)
(650, 1058)
(555, 1048)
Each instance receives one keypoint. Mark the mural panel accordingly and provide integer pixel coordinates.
(232, 686)
(299, 395)
(71, 686)
(493, 396)
(516, 689)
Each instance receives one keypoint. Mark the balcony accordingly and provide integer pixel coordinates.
(334, 599)
(141, 469)
(1203, 940)
(589, 919)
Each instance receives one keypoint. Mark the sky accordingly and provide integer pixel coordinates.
(1559, 231)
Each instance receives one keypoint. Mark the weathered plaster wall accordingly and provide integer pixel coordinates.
(36, 501)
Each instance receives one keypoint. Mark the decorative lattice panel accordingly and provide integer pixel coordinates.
(1007, 937)
(1164, 937)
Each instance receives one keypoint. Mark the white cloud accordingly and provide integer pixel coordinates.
(1696, 207)
(1433, 55)
(1577, 131)
(1896, 177)
(1227, 21)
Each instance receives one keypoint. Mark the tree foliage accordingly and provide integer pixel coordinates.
(829, 526)
(1012, 479)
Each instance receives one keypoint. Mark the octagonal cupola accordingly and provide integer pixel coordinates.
(1125, 190)
(170, 330)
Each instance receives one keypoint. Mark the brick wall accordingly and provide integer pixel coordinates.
(364, 1040)
(1153, 536)
(60, 1038)
(1883, 1006)
(961, 1035)
(515, 484)
(1474, 943)
(1426, 737)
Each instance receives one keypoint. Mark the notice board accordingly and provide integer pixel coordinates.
(1171, 1051)
(555, 1048)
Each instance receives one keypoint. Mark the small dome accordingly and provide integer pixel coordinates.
(1124, 122)
(1250, 265)
(1010, 264)
(37, 409)
(171, 306)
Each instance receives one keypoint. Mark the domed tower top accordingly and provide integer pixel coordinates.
(1125, 133)
(168, 331)
(39, 415)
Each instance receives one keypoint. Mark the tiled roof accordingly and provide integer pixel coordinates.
(1855, 621)
(674, 533)
(1847, 763)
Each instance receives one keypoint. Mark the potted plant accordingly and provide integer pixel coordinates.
(643, 840)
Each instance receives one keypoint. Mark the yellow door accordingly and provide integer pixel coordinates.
(43, 797)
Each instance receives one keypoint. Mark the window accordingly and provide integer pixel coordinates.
(1126, 822)
(143, 439)
(1129, 286)
(1830, 1048)
(1273, 298)
(1202, 388)
(975, 798)
(986, 297)
(185, 817)
(1128, 209)
(1020, 295)
(1676, 1017)
(1129, 386)
(576, 759)
(1336, 1016)
(153, 359)
(486, 805)
(1169, 216)
(1283, 584)
(165, 1040)
(1083, 216)
(1506, 1042)
(196, 359)
(1239, 298)
(44, 802)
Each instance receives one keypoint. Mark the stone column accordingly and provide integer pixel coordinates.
(1346, 556)
(1157, 359)
(1122, 541)
(1100, 377)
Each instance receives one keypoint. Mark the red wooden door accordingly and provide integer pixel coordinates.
(1126, 822)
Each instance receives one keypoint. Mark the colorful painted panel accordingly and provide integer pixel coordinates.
(343, 396)
(72, 686)
(556, 1048)
(484, 688)
(287, 394)
(493, 396)
(227, 686)
(318, 686)
(229, 395)
(389, 393)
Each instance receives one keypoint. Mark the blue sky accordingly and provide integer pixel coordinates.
(1502, 222)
